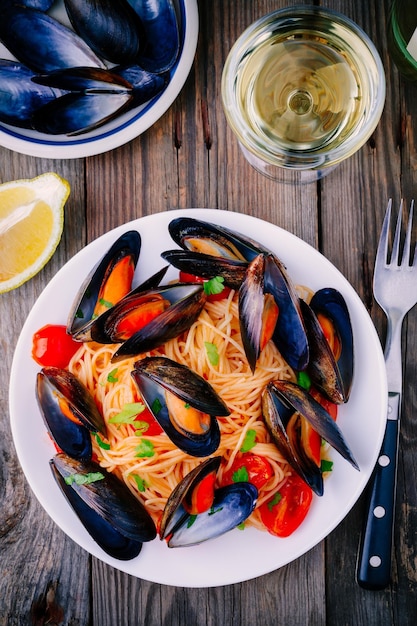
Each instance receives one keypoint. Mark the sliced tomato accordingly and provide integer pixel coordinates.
(52, 346)
(327, 405)
(149, 426)
(248, 467)
(286, 510)
(192, 278)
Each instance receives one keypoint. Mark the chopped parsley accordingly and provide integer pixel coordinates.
(304, 380)
(326, 465)
(140, 427)
(213, 286)
(106, 303)
(84, 479)
(213, 511)
(156, 406)
(141, 484)
(112, 376)
(191, 520)
(128, 414)
(241, 475)
(145, 449)
(102, 444)
(275, 500)
(249, 441)
(212, 353)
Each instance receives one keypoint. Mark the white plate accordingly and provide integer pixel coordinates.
(237, 556)
(124, 128)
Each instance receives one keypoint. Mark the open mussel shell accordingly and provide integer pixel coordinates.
(186, 304)
(115, 519)
(290, 335)
(330, 303)
(290, 394)
(108, 27)
(90, 79)
(207, 238)
(232, 505)
(42, 43)
(206, 266)
(84, 304)
(277, 414)
(174, 511)
(69, 411)
(156, 375)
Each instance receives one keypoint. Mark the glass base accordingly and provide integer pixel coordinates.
(287, 175)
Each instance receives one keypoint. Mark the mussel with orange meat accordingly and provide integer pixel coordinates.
(196, 512)
(183, 403)
(290, 412)
(115, 519)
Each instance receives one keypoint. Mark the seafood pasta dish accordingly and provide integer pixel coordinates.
(186, 409)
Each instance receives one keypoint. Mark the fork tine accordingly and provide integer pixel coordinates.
(396, 243)
(382, 250)
(407, 243)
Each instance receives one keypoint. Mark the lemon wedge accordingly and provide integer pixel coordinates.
(31, 223)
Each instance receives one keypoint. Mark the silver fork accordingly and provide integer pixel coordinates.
(395, 290)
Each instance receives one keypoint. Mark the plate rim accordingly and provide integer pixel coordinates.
(222, 577)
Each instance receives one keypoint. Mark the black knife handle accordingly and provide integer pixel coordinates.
(374, 560)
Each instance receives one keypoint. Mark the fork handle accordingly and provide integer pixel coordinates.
(374, 560)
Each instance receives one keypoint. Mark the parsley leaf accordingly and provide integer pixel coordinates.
(156, 406)
(326, 465)
(141, 483)
(191, 520)
(275, 500)
(84, 479)
(241, 475)
(304, 380)
(140, 427)
(212, 353)
(128, 414)
(213, 285)
(145, 449)
(102, 444)
(112, 376)
(249, 441)
(106, 303)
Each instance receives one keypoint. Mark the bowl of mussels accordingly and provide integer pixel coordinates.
(81, 77)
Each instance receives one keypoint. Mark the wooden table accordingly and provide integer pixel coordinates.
(189, 158)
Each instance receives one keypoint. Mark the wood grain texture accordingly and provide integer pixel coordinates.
(190, 158)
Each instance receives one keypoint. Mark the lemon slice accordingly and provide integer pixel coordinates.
(31, 223)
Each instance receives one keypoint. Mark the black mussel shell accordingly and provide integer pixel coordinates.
(187, 302)
(77, 112)
(145, 85)
(206, 266)
(82, 310)
(277, 415)
(232, 506)
(290, 334)
(85, 79)
(161, 34)
(108, 27)
(20, 96)
(301, 401)
(207, 238)
(115, 519)
(154, 375)
(174, 511)
(330, 303)
(42, 5)
(42, 43)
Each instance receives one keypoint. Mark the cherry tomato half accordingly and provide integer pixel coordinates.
(52, 346)
(327, 405)
(286, 510)
(214, 297)
(248, 467)
(147, 424)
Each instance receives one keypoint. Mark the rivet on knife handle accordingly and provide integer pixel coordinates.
(374, 560)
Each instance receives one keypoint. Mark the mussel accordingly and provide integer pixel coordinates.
(330, 336)
(108, 27)
(69, 411)
(42, 43)
(20, 97)
(284, 406)
(185, 405)
(194, 494)
(232, 505)
(106, 284)
(161, 34)
(115, 519)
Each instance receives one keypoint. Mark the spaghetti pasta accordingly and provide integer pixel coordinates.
(151, 471)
